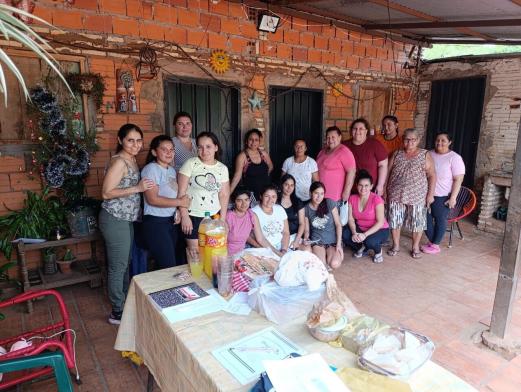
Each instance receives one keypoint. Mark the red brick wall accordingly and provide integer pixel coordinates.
(200, 26)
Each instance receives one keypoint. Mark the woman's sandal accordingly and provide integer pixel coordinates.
(393, 252)
(416, 254)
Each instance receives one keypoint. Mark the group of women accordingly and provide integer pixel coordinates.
(183, 180)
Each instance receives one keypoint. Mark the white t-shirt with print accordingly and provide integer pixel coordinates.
(302, 173)
(204, 184)
(272, 225)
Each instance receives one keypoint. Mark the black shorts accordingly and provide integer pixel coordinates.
(196, 221)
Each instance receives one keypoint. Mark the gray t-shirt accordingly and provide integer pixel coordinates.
(322, 229)
(165, 178)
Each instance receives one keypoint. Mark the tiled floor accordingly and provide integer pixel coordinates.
(448, 297)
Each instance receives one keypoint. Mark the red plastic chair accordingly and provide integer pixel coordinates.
(62, 342)
(465, 204)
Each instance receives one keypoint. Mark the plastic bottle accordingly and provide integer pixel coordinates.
(205, 225)
(216, 245)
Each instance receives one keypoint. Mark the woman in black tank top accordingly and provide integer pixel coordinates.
(252, 165)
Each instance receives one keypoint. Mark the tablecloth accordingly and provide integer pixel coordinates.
(179, 354)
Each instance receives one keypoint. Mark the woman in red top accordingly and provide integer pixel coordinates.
(367, 228)
(369, 153)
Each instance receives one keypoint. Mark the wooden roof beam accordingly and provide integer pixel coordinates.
(444, 24)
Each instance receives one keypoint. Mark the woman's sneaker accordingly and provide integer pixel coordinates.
(378, 258)
(115, 318)
(360, 252)
(431, 249)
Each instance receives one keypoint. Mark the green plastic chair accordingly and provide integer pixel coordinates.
(51, 359)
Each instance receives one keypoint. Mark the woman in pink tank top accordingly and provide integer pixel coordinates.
(367, 228)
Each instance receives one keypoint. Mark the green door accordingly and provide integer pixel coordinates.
(213, 108)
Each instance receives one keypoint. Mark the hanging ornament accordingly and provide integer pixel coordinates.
(337, 89)
(255, 101)
(220, 61)
(147, 67)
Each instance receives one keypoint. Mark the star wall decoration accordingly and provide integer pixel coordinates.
(255, 101)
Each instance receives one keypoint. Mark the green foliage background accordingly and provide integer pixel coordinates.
(450, 50)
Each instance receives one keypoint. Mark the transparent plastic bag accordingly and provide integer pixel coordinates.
(283, 304)
(343, 212)
(360, 331)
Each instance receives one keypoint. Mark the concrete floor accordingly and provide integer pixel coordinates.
(447, 297)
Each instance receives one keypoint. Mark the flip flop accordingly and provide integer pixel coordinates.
(393, 252)
(415, 254)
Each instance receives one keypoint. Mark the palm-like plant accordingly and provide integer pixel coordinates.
(12, 28)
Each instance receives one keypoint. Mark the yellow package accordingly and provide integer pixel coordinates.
(362, 381)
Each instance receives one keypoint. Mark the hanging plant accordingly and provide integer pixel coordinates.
(90, 84)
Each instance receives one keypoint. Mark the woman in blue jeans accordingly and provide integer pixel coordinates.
(121, 191)
(367, 228)
(450, 171)
(161, 202)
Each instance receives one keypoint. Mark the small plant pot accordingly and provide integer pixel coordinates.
(65, 266)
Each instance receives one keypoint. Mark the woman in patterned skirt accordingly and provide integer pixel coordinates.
(410, 191)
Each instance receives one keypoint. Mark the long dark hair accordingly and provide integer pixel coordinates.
(293, 197)
(268, 187)
(214, 139)
(322, 209)
(363, 174)
(154, 145)
(124, 131)
(240, 190)
(249, 133)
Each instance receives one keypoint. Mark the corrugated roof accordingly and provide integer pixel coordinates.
(478, 21)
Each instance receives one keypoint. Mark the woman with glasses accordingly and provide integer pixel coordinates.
(121, 192)
(410, 191)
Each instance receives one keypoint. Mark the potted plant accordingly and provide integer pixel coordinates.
(49, 261)
(65, 263)
(38, 218)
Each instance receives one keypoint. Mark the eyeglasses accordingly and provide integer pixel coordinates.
(409, 140)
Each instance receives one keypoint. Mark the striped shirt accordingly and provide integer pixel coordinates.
(182, 154)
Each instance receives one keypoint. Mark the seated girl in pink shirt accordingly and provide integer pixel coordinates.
(243, 224)
(367, 228)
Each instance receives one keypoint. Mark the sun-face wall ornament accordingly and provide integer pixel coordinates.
(337, 89)
(220, 61)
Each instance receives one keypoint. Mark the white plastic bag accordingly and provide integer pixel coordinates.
(343, 211)
(301, 267)
(283, 304)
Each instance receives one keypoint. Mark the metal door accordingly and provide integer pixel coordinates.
(213, 108)
(294, 113)
(456, 107)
